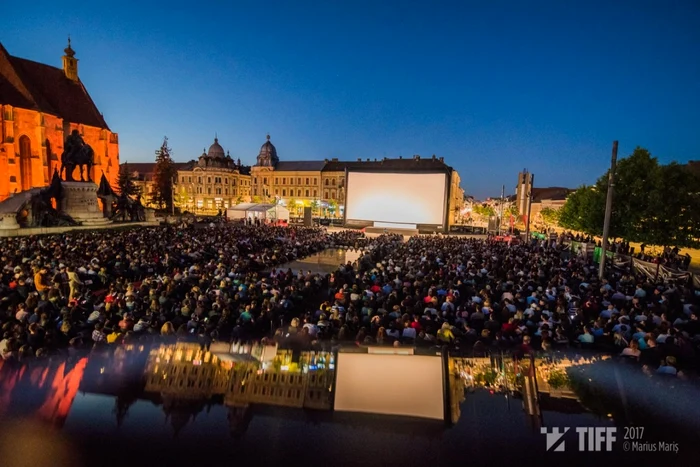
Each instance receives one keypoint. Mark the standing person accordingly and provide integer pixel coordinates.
(74, 283)
(60, 279)
(40, 280)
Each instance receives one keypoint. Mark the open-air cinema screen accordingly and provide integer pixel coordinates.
(402, 198)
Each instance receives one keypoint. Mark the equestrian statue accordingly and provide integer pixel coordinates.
(76, 153)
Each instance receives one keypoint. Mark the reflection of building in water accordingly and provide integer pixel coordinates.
(187, 371)
(239, 419)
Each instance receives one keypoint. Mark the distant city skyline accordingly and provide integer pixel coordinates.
(493, 88)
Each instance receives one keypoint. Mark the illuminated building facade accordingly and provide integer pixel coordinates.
(40, 105)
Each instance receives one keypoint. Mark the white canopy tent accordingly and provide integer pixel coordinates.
(264, 212)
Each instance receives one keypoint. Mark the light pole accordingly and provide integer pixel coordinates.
(608, 211)
(529, 207)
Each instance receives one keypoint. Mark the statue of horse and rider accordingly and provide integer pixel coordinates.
(76, 153)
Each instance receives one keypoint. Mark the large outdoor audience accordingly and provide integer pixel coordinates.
(228, 281)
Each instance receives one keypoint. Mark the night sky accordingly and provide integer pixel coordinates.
(491, 86)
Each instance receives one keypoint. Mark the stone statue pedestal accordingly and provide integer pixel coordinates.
(8, 222)
(80, 202)
(150, 215)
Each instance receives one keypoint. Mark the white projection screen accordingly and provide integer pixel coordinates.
(408, 385)
(401, 198)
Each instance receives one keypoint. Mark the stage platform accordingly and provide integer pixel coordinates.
(393, 230)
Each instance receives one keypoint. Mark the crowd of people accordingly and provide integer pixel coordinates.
(79, 289)
(227, 281)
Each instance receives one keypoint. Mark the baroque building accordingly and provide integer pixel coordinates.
(215, 182)
(40, 105)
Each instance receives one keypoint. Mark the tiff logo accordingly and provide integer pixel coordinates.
(590, 439)
(555, 439)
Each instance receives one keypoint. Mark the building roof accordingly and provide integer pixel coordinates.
(268, 154)
(415, 163)
(35, 86)
(553, 193)
(300, 166)
(216, 151)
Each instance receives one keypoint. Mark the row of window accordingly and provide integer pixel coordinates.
(217, 191)
(298, 179)
(184, 179)
(306, 193)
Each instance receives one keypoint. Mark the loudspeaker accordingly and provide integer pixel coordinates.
(494, 223)
(308, 220)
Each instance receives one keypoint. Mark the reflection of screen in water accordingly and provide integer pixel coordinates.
(374, 383)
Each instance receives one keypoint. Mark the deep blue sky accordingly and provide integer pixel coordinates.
(492, 86)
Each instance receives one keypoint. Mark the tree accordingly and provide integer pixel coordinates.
(483, 211)
(333, 207)
(315, 207)
(654, 204)
(125, 182)
(583, 211)
(163, 175)
(292, 206)
(549, 217)
(256, 199)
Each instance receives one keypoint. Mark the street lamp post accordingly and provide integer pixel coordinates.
(608, 211)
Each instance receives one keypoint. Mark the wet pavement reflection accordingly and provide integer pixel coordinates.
(180, 405)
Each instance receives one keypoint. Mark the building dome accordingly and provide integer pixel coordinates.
(215, 150)
(268, 154)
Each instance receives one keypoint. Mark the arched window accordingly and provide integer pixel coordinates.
(25, 162)
(325, 195)
(333, 182)
(326, 182)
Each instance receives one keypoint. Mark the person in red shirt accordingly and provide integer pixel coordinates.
(416, 324)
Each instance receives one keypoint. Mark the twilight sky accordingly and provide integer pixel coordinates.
(492, 86)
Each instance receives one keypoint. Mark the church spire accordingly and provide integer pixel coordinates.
(70, 63)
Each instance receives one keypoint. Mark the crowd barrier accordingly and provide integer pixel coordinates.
(652, 271)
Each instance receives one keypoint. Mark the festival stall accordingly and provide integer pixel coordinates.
(267, 213)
